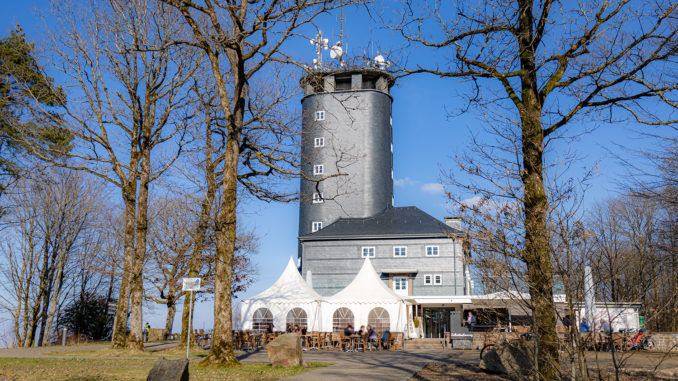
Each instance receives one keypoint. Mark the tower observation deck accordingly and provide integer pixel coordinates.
(346, 147)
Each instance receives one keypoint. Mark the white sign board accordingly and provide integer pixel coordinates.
(191, 284)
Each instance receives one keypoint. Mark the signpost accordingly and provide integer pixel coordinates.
(190, 285)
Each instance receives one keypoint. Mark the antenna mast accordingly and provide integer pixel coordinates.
(341, 34)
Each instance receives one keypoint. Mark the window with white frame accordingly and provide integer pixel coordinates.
(319, 142)
(316, 225)
(368, 251)
(318, 198)
(437, 279)
(318, 169)
(432, 251)
(400, 285)
(400, 251)
(428, 279)
(320, 115)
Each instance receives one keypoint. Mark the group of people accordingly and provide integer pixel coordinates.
(369, 331)
(295, 329)
(584, 325)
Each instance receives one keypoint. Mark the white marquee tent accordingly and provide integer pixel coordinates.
(364, 294)
(285, 297)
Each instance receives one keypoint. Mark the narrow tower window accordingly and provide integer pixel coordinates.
(316, 225)
(320, 115)
(319, 142)
(318, 169)
(318, 198)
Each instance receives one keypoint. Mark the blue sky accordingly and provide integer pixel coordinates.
(425, 140)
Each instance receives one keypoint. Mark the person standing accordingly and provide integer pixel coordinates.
(147, 331)
(470, 320)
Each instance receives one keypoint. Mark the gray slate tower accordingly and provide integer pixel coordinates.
(346, 142)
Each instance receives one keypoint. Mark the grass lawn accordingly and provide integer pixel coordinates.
(108, 352)
(130, 369)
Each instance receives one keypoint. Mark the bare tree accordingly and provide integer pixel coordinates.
(549, 65)
(242, 42)
(128, 98)
(53, 222)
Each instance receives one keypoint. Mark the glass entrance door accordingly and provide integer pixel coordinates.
(436, 322)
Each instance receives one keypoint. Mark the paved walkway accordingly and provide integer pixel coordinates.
(381, 365)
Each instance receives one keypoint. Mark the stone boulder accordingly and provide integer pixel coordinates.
(515, 359)
(169, 370)
(285, 351)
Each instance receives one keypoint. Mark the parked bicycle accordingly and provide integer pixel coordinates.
(640, 341)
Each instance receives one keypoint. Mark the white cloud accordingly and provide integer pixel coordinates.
(433, 188)
(471, 202)
(403, 182)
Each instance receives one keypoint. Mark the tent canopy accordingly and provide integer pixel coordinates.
(366, 287)
(289, 288)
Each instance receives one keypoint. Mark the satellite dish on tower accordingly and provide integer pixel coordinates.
(381, 62)
(336, 51)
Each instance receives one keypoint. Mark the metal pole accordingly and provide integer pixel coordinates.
(190, 312)
(63, 337)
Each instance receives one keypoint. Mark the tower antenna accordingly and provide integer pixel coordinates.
(341, 34)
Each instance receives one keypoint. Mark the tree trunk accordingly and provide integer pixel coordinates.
(169, 321)
(119, 337)
(537, 254)
(222, 344)
(136, 338)
(56, 295)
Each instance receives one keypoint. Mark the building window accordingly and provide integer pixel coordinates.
(400, 285)
(318, 198)
(320, 115)
(368, 252)
(400, 251)
(318, 169)
(316, 225)
(319, 142)
(428, 279)
(431, 251)
(437, 279)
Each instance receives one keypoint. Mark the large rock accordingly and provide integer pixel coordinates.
(514, 359)
(285, 351)
(169, 370)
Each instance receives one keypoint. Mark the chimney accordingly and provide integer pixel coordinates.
(453, 222)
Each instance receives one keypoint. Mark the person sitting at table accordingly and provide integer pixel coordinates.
(289, 328)
(384, 339)
(361, 330)
(296, 328)
(371, 335)
(584, 325)
(348, 331)
(303, 331)
(269, 328)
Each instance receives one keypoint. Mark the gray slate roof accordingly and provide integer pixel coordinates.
(401, 222)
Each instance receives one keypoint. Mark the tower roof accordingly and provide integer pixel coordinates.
(401, 222)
